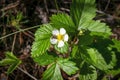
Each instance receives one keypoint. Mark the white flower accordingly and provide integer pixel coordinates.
(59, 37)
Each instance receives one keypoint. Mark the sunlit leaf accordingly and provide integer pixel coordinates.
(95, 58)
(67, 66)
(82, 11)
(54, 70)
(42, 40)
(52, 73)
(96, 27)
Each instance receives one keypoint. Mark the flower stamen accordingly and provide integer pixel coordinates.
(59, 37)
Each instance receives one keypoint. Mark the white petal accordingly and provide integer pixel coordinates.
(60, 44)
(66, 37)
(62, 31)
(55, 32)
(53, 40)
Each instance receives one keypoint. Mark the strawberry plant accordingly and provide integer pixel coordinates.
(75, 44)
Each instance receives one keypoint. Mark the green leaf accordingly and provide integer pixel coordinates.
(95, 58)
(10, 55)
(88, 72)
(6, 62)
(82, 11)
(42, 40)
(96, 27)
(106, 51)
(67, 66)
(13, 67)
(11, 60)
(44, 59)
(52, 73)
(62, 20)
(63, 49)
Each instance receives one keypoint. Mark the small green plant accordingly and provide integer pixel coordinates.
(75, 44)
(16, 20)
(11, 60)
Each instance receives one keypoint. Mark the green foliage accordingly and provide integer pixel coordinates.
(63, 20)
(74, 51)
(95, 58)
(88, 72)
(11, 60)
(96, 26)
(88, 36)
(67, 66)
(44, 59)
(52, 73)
(88, 50)
(42, 40)
(54, 70)
(116, 44)
(82, 11)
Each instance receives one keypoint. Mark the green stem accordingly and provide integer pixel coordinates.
(21, 30)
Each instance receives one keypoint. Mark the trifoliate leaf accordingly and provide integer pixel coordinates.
(64, 21)
(82, 11)
(67, 66)
(42, 40)
(88, 72)
(44, 59)
(52, 73)
(11, 60)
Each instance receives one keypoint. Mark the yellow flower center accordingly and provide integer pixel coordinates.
(59, 37)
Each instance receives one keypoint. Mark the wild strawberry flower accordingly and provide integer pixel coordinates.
(59, 37)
